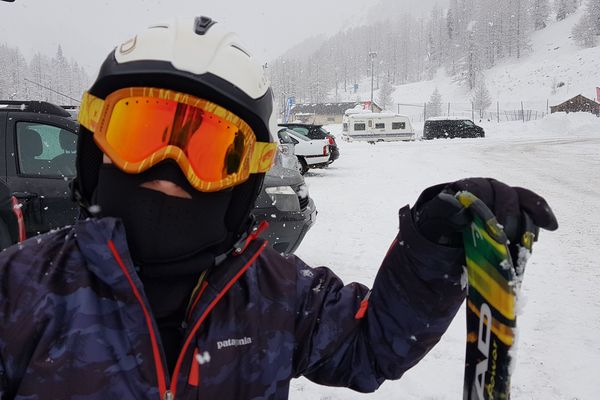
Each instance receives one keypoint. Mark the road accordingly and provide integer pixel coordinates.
(559, 348)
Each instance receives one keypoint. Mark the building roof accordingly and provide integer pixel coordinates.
(326, 108)
(578, 98)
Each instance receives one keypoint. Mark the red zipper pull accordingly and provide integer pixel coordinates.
(257, 230)
(194, 377)
(364, 304)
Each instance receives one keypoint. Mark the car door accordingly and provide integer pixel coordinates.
(40, 154)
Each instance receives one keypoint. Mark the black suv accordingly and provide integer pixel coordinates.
(447, 127)
(312, 131)
(39, 144)
(38, 159)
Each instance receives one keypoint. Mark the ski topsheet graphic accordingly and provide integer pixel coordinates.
(493, 283)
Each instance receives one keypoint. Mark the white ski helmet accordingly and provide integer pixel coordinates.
(197, 56)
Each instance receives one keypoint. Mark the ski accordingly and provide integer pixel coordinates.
(493, 284)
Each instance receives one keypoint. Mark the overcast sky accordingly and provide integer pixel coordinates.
(89, 29)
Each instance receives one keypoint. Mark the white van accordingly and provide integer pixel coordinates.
(376, 127)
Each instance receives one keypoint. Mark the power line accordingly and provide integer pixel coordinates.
(52, 90)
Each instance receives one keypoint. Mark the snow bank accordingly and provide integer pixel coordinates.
(572, 124)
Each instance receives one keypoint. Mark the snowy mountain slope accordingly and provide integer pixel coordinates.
(553, 58)
(359, 195)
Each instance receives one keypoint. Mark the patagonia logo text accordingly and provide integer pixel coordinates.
(221, 344)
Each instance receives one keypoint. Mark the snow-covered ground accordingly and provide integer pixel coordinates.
(559, 157)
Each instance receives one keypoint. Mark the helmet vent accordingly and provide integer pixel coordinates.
(242, 50)
(203, 24)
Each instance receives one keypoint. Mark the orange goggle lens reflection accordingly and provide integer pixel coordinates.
(139, 127)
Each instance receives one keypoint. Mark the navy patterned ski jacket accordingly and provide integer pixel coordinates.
(75, 323)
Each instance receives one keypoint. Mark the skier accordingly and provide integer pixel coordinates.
(166, 292)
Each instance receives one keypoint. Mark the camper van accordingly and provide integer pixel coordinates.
(376, 127)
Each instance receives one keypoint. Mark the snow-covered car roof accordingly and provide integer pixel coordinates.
(448, 118)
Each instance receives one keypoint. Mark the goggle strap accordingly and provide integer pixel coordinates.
(90, 111)
(262, 157)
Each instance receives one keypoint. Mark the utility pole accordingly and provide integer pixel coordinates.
(372, 55)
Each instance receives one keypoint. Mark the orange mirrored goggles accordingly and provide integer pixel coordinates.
(140, 127)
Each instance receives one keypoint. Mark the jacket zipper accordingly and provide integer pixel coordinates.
(173, 388)
(158, 362)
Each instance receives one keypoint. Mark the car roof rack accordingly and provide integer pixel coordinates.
(42, 107)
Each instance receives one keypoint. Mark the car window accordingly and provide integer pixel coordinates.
(45, 150)
(301, 130)
(360, 127)
(295, 135)
(380, 125)
(468, 123)
(398, 125)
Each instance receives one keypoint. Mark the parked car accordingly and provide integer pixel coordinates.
(285, 203)
(38, 161)
(451, 127)
(313, 131)
(311, 153)
(39, 141)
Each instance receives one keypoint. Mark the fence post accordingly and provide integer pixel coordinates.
(547, 106)
(498, 110)
(398, 108)
(424, 111)
(448, 110)
(472, 111)
(522, 112)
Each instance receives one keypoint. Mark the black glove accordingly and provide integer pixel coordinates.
(441, 218)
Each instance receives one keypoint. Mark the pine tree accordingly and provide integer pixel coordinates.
(434, 105)
(586, 32)
(565, 7)
(481, 98)
(385, 94)
(540, 13)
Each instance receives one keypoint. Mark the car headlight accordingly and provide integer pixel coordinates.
(284, 198)
(280, 190)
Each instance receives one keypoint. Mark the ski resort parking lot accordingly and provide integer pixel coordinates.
(358, 198)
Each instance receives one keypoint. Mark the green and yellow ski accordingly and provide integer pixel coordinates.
(493, 283)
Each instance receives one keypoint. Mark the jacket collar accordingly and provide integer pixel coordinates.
(92, 237)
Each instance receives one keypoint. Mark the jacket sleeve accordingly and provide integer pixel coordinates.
(20, 321)
(414, 298)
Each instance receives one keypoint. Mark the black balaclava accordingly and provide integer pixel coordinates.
(161, 228)
(171, 240)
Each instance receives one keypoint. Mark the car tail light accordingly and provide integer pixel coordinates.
(331, 141)
(16, 206)
(325, 150)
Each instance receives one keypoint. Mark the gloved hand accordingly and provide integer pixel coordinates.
(441, 218)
